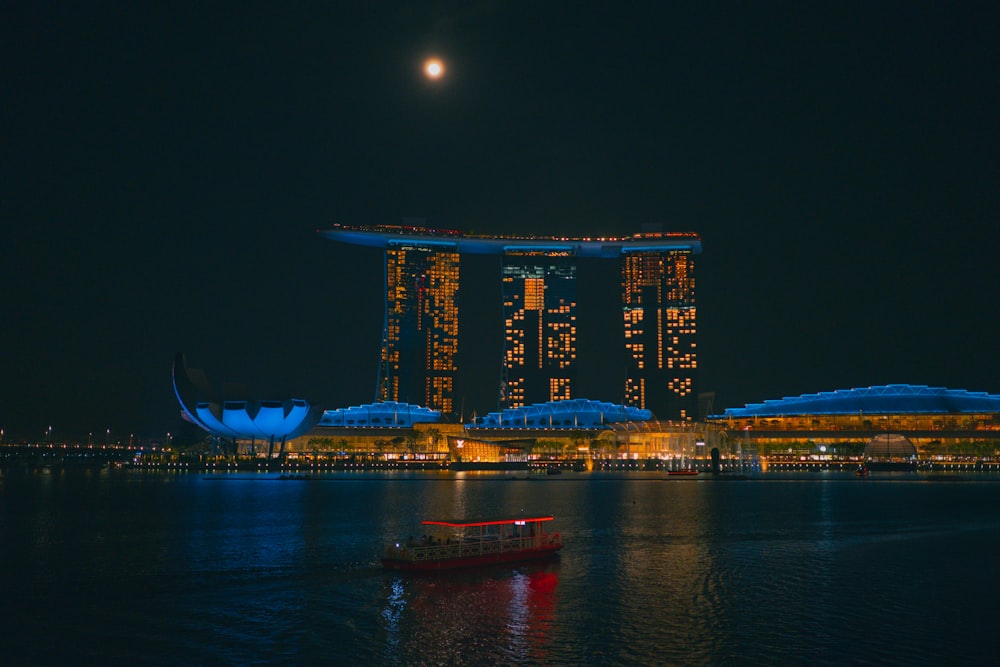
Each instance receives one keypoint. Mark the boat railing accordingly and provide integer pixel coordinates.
(472, 547)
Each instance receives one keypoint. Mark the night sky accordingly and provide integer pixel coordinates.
(166, 167)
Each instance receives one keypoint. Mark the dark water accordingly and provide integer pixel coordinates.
(128, 568)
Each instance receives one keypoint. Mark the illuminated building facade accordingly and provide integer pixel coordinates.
(420, 337)
(933, 418)
(660, 324)
(539, 306)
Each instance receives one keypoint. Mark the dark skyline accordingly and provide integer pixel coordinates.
(166, 167)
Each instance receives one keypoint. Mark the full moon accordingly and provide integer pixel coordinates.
(434, 68)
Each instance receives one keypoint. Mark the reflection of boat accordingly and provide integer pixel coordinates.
(440, 618)
(683, 472)
(461, 543)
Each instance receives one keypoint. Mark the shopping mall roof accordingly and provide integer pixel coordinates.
(387, 414)
(887, 399)
(576, 413)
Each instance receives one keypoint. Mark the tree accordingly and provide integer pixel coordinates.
(548, 447)
(433, 437)
(577, 437)
(410, 435)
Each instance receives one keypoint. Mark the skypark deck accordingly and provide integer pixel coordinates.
(380, 236)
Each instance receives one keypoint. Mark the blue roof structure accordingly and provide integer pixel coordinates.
(886, 399)
(577, 413)
(380, 236)
(238, 419)
(387, 414)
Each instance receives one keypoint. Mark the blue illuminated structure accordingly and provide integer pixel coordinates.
(886, 399)
(387, 414)
(239, 419)
(380, 236)
(577, 413)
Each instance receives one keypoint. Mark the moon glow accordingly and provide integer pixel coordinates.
(433, 68)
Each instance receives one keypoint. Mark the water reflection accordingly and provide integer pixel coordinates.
(473, 616)
(185, 569)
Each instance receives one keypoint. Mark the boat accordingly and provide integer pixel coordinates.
(683, 472)
(461, 543)
(862, 471)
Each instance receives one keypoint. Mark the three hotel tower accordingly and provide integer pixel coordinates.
(539, 291)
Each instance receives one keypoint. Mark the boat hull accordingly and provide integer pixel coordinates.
(478, 560)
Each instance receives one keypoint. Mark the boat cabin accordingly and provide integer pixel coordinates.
(455, 543)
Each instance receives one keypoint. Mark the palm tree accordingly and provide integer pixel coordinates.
(576, 437)
(432, 435)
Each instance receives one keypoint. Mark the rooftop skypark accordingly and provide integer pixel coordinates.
(497, 244)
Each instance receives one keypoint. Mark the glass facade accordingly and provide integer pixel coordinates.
(420, 338)
(539, 306)
(660, 326)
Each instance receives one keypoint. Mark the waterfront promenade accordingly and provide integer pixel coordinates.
(66, 455)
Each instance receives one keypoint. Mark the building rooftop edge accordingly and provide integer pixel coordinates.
(876, 399)
(462, 242)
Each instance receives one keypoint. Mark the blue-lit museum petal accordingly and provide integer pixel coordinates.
(270, 418)
(210, 422)
(298, 412)
(235, 417)
(240, 419)
(183, 386)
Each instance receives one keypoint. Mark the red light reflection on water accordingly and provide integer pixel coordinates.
(542, 599)
(448, 616)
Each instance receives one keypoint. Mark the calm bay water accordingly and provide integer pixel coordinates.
(104, 567)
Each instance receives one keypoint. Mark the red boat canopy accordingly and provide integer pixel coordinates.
(458, 523)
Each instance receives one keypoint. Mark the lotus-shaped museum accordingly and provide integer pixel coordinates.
(239, 418)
